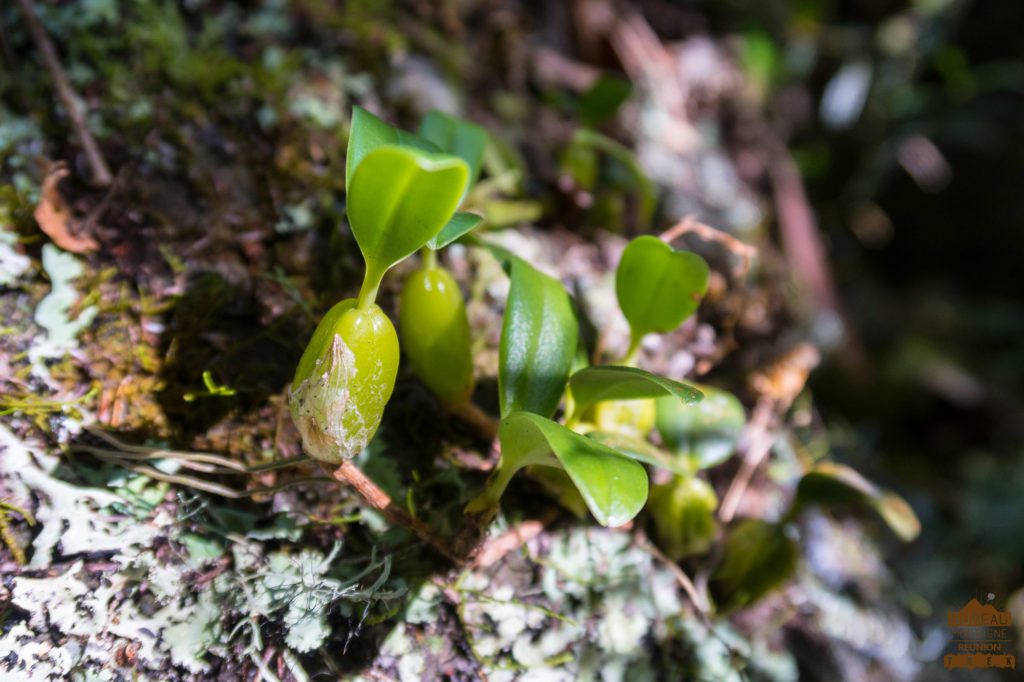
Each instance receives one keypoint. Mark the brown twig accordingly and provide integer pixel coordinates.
(689, 225)
(758, 437)
(101, 174)
(351, 475)
(798, 230)
(495, 549)
(777, 387)
(700, 604)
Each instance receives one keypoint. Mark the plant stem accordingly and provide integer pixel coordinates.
(371, 283)
(429, 258)
(378, 499)
(468, 412)
(634, 349)
(491, 496)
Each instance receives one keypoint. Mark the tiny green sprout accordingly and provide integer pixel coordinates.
(401, 193)
(682, 512)
(213, 389)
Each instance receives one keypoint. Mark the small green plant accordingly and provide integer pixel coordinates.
(213, 389)
(401, 193)
(432, 313)
(758, 556)
(538, 349)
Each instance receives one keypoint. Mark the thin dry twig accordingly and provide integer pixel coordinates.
(647, 62)
(101, 174)
(689, 225)
(495, 549)
(700, 604)
(777, 387)
(798, 230)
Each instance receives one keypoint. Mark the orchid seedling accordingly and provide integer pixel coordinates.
(401, 192)
(538, 346)
(432, 313)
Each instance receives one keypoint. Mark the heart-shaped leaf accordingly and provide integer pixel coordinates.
(640, 450)
(705, 434)
(460, 224)
(538, 341)
(400, 199)
(757, 557)
(659, 287)
(614, 382)
(613, 487)
(368, 132)
(455, 136)
(833, 484)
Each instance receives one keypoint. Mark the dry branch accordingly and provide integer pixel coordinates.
(101, 174)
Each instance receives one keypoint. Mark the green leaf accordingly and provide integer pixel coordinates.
(455, 136)
(613, 487)
(603, 99)
(659, 287)
(560, 487)
(615, 382)
(400, 199)
(460, 224)
(368, 132)
(833, 484)
(538, 341)
(757, 557)
(640, 450)
(705, 434)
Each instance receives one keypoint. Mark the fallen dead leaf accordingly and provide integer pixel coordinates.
(54, 216)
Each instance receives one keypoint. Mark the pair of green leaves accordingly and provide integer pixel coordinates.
(403, 189)
(538, 343)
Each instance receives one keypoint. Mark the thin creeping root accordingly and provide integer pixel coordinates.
(132, 457)
(193, 460)
(129, 457)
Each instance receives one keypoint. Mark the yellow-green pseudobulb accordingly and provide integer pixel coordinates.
(344, 380)
(683, 515)
(435, 333)
(631, 417)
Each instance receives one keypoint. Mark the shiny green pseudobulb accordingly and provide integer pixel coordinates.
(435, 333)
(683, 514)
(344, 380)
(631, 417)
